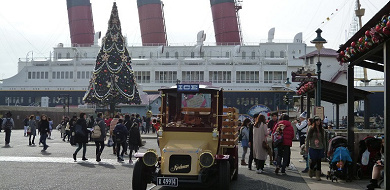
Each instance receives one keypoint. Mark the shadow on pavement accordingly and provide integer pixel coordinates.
(43, 152)
(86, 164)
(106, 165)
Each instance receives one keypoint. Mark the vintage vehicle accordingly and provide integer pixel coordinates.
(197, 141)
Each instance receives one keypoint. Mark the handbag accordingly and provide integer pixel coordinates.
(28, 130)
(265, 145)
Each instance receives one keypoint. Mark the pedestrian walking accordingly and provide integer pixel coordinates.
(32, 125)
(245, 139)
(25, 123)
(301, 128)
(134, 140)
(81, 136)
(284, 151)
(310, 123)
(250, 159)
(8, 124)
(260, 134)
(44, 130)
(315, 143)
(99, 141)
(121, 133)
(65, 129)
(50, 127)
(271, 124)
(113, 123)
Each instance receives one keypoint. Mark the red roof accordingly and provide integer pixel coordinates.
(325, 52)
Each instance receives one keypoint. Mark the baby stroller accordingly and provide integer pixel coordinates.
(369, 153)
(340, 161)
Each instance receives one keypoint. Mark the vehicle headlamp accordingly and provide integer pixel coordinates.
(206, 159)
(150, 158)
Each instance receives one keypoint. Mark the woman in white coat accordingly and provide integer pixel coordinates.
(260, 134)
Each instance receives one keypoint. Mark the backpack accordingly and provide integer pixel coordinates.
(240, 135)
(8, 124)
(78, 129)
(96, 132)
(119, 135)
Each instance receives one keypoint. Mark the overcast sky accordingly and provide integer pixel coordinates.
(39, 25)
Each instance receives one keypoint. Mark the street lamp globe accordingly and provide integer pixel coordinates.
(287, 83)
(319, 41)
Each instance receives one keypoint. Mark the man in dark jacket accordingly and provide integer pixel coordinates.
(99, 142)
(134, 140)
(81, 135)
(121, 133)
(251, 142)
(8, 124)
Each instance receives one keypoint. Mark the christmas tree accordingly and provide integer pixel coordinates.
(113, 80)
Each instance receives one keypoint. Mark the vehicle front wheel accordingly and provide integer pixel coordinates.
(139, 178)
(224, 175)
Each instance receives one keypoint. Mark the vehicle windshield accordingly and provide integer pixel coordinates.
(195, 111)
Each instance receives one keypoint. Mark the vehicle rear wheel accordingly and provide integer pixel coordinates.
(139, 178)
(235, 161)
(224, 175)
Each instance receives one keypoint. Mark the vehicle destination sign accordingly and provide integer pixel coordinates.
(168, 181)
(188, 87)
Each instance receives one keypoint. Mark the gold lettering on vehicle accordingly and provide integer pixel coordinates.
(179, 167)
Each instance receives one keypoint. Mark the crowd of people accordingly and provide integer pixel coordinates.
(272, 139)
(263, 138)
(123, 132)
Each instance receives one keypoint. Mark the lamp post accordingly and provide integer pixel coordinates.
(319, 43)
(287, 96)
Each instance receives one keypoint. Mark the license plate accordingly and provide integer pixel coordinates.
(168, 181)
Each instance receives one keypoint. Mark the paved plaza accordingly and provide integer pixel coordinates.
(27, 167)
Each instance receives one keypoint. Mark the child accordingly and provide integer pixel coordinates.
(277, 140)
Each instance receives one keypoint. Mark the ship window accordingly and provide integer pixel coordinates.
(247, 77)
(293, 52)
(42, 75)
(227, 54)
(165, 76)
(78, 100)
(167, 55)
(192, 54)
(253, 56)
(58, 75)
(62, 74)
(177, 55)
(299, 51)
(67, 74)
(29, 75)
(243, 54)
(38, 75)
(220, 76)
(142, 76)
(87, 74)
(68, 55)
(151, 55)
(272, 54)
(21, 100)
(281, 54)
(78, 74)
(53, 75)
(29, 100)
(33, 75)
(59, 56)
(70, 100)
(71, 75)
(83, 74)
(193, 76)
